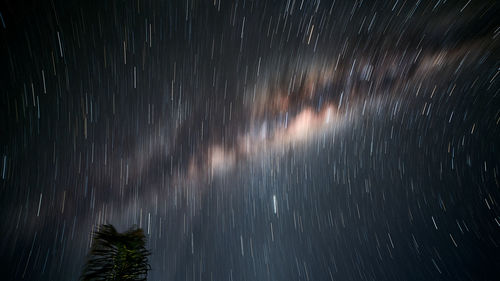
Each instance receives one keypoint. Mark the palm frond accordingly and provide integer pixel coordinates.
(117, 256)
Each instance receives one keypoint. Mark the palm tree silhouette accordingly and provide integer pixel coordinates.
(117, 256)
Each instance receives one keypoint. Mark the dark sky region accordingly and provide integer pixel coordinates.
(253, 140)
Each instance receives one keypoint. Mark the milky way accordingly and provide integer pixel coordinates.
(253, 140)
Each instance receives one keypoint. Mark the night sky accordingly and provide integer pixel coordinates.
(253, 140)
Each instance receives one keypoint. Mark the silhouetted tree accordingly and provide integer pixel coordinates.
(117, 256)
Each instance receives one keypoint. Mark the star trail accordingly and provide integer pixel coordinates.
(253, 140)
